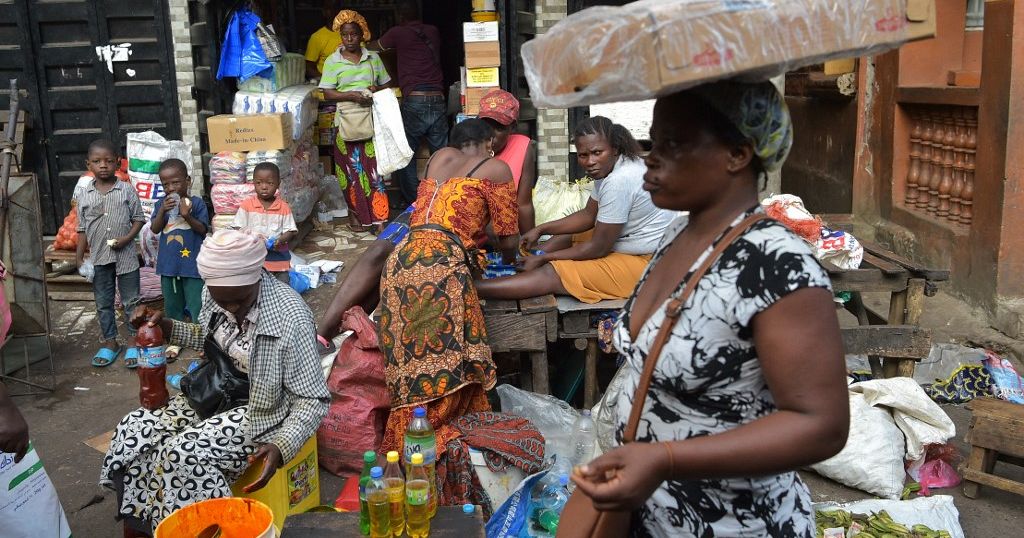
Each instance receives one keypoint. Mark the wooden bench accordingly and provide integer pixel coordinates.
(524, 326)
(449, 522)
(574, 324)
(996, 434)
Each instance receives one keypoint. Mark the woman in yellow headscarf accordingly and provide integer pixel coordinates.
(350, 77)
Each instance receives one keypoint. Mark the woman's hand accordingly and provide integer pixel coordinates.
(529, 239)
(623, 479)
(272, 461)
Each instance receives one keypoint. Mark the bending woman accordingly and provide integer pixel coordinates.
(626, 227)
(431, 325)
(726, 421)
(162, 460)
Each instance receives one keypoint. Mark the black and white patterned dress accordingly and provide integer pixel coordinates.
(709, 380)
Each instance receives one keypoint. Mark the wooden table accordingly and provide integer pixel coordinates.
(894, 335)
(524, 326)
(449, 522)
(996, 434)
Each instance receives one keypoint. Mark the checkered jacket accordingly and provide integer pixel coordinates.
(288, 394)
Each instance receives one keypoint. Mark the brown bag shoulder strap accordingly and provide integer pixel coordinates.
(673, 310)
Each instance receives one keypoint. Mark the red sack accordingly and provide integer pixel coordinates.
(359, 398)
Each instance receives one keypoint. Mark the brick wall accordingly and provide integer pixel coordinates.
(552, 124)
(185, 77)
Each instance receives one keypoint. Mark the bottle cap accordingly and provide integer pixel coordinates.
(419, 412)
(417, 459)
(585, 412)
(468, 509)
(563, 479)
(376, 472)
(393, 457)
(369, 457)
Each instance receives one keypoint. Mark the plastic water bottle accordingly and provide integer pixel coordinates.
(369, 462)
(417, 498)
(584, 437)
(174, 213)
(378, 504)
(395, 482)
(547, 499)
(420, 438)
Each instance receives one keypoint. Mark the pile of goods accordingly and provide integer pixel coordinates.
(299, 102)
(842, 524)
(835, 246)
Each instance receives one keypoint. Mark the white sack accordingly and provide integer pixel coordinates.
(146, 151)
(29, 506)
(389, 140)
(922, 421)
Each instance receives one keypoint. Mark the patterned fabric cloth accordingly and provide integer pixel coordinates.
(431, 324)
(708, 380)
(355, 164)
(347, 16)
(163, 460)
(465, 205)
(504, 440)
(109, 216)
(968, 382)
(288, 394)
(759, 112)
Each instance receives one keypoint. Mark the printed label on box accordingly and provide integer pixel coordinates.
(482, 77)
(479, 31)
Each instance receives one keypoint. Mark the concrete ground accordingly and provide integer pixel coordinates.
(88, 402)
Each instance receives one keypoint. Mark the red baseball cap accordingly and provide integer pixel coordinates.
(500, 106)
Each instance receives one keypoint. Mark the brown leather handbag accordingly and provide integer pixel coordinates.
(581, 518)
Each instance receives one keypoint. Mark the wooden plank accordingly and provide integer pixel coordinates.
(998, 409)
(539, 371)
(516, 332)
(544, 303)
(1005, 436)
(575, 322)
(973, 478)
(939, 95)
(928, 273)
(890, 285)
(899, 341)
(449, 522)
(885, 266)
(590, 388)
(70, 295)
(498, 306)
(551, 323)
(915, 301)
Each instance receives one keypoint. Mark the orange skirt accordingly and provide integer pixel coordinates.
(611, 277)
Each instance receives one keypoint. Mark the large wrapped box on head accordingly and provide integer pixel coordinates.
(655, 47)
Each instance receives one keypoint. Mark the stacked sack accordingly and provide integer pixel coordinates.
(230, 186)
(300, 102)
(289, 71)
(282, 158)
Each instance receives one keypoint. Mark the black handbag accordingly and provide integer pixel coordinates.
(216, 385)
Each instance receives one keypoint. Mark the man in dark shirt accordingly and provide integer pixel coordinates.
(424, 106)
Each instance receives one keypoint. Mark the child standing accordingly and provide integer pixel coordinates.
(182, 222)
(269, 217)
(109, 217)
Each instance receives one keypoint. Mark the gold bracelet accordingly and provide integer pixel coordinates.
(671, 458)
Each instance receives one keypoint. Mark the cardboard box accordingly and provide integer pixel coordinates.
(473, 32)
(923, 19)
(840, 67)
(473, 97)
(655, 47)
(483, 77)
(258, 132)
(483, 54)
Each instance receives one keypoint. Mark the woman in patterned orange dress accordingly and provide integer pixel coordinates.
(431, 325)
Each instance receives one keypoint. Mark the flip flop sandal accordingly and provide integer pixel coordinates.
(106, 356)
(131, 358)
(175, 350)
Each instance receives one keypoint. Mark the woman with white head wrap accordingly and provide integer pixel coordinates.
(162, 460)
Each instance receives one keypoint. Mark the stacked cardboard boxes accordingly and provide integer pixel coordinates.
(483, 58)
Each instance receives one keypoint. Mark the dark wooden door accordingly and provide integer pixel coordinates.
(518, 24)
(99, 69)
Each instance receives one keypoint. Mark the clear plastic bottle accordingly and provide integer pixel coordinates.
(395, 483)
(378, 505)
(417, 498)
(420, 438)
(584, 437)
(369, 462)
(551, 503)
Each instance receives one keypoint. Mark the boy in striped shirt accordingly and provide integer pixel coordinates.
(268, 216)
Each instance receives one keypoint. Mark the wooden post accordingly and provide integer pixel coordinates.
(539, 360)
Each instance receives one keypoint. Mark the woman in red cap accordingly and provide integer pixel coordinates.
(501, 109)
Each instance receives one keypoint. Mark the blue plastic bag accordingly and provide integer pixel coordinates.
(242, 54)
(298, 281)
(511, 520)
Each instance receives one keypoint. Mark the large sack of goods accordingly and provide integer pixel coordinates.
(228, 167)
(145, 153)
(226, 197)
(656, 47)
(300, 102)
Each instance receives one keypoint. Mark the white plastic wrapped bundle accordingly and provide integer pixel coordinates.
(301, 199)
(226, 197)
(289, 71)
(656, 47)
(146, 151)
(222, 222)
(282, 158)
(227, 167)
(299, 101)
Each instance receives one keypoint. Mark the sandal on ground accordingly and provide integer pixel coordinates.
(106, 356)
(131, 358)
(172, 353)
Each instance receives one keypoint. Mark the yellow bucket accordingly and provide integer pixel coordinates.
(294, 488)
(237, 518)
